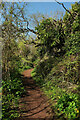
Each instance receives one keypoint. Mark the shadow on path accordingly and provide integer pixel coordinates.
(34, 104)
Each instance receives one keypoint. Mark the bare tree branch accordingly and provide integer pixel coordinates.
(37, 44)
(65, 8)
(33, 31)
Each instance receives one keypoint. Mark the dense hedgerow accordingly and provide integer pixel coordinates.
(12, 91)
(59, 75)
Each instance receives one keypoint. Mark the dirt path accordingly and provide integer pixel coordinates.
(34, 104)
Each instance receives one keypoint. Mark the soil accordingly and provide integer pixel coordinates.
(34, 104)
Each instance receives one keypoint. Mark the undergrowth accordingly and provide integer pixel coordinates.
(60, 84)
(12, 90)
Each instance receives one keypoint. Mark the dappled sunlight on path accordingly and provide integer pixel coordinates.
(34, 104)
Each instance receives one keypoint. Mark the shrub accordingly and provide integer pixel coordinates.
(68, 105)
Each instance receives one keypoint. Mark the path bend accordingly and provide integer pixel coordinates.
(33, 105)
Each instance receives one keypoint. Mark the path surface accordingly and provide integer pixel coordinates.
(34, 104)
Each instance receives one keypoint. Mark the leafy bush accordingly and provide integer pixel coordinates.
(42, 70)
(11, 94)
(68, 105)
(51, 37)
(60, 76)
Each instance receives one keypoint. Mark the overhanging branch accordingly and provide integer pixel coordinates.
(65, 8)
(37, 44)
(32, 31)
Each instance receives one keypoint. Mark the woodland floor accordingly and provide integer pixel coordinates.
(34, 104)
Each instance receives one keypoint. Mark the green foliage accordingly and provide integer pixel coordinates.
(73, 43)
(68, 105)
(26, 67)
(72, 30)
(42, 70)
(11, 95)
(9, 108)
(51, 37)
(14, 50)
(58, 66)
(59, 87)
(60, 79)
